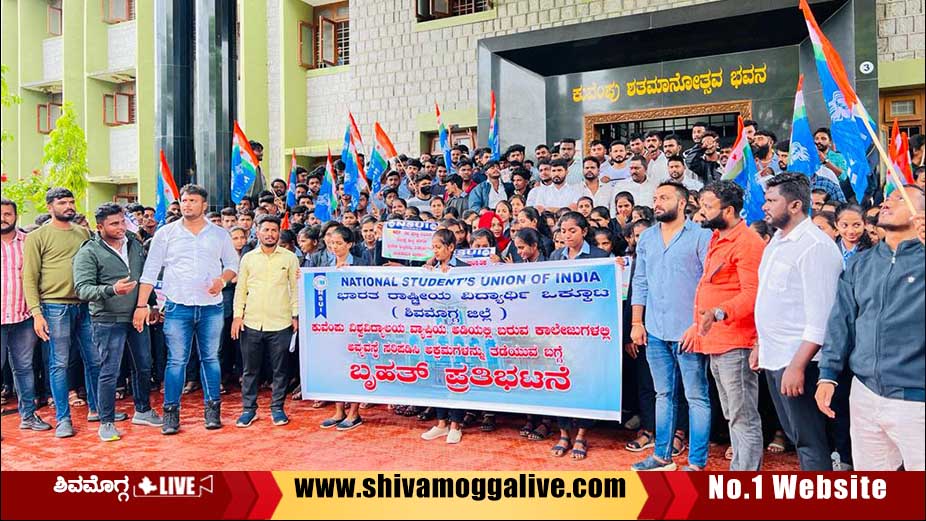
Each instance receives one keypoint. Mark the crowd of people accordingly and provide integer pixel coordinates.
(803, 330)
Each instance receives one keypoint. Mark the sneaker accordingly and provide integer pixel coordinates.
(64, 429)
(149, 418)
(455, 435)
(279, 417)
(246, 419)
(171, 419)
(213, 414)
(347, 425)
(651, 463)
(435, 432)
(108, 432)
(94, 416)
(34, 423)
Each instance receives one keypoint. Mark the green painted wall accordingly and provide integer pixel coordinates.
(292, 84)
(31, 15)
(74, 77)
(144, 101)
(253, 113)
(901, 73)
(9, 57)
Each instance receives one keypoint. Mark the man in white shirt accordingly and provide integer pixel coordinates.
(558, 195)
(679, 173)
(797, 288)
(198, 260)
(567, 152)
(601, 193)
(657, 163)
(616, 168)
(641, 185)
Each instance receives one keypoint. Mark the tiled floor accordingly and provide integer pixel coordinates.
(384, 442)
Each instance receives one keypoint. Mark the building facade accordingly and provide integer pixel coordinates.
(559, 68)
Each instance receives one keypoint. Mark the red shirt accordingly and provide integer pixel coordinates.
(13, 308)
(730, 282)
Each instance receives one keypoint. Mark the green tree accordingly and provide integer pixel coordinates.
(7, 100)
(66, 154)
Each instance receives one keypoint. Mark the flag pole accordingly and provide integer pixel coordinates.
(890, 165)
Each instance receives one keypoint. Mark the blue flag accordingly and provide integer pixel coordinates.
(802, 154)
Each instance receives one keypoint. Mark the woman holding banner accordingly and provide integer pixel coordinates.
(444, 245)
(340, 240)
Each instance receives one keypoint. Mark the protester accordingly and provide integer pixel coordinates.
(875, 330)
(267, 279)
(198, 260)
(106, 272)
(797, 285)
(669, 262)
(60, 319)
(17, 334)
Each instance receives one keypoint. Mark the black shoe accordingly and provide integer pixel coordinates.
(171, 419)
(213, 414)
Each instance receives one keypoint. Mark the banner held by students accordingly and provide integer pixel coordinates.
(471, 338)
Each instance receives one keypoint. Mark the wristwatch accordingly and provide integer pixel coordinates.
(719, 315)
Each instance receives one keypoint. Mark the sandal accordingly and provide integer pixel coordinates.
(676, 451)
(526, 429)
(579, 454)
(643, 441)
(559, 450)
(120, 394)
(538, 434)
(427, 414)
(74, 400)
(728, 455)
(318, 404)
(399, 410)
(50, 402)
(411, 410)
(488, 423)
(777, 446)
(190, 387)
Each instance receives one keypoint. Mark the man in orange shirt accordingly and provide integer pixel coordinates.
(724, 324)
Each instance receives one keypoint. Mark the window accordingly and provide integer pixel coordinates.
(331, 41)
(119, 107)
(116, 11)
(54, 18)
(458, 136)
(306, 45)
(46, 116)
(907, 108)
(431, 9)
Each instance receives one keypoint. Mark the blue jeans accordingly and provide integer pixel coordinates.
(69, 324)
(665, 360)
(19, 341)
(110, 339)
(181, 322)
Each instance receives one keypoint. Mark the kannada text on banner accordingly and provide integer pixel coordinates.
(408, 240)
(531, 338)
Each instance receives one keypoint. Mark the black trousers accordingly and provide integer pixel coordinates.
(253, 346)
(804, 424)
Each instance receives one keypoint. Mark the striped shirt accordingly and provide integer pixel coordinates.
(13, 307)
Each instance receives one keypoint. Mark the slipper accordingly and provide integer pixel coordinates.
(729, 453)
(677, 451)
(526, 429)
(579, 454)
(74, 400)
(559, 450)
(488, 423)
(540, 435)
(777, 446)
(427, 414)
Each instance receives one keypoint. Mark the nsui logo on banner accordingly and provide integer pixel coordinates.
(173, 486)
(320, 283)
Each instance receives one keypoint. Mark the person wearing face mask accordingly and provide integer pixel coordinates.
(423, 188)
